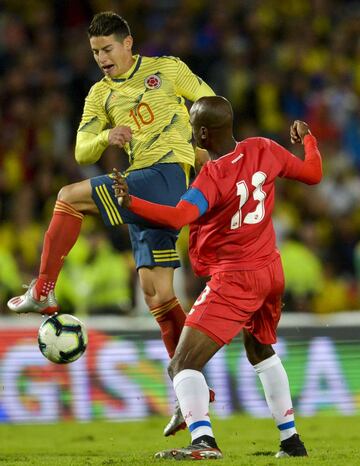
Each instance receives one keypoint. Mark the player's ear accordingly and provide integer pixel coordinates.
(203, 133)
(128, 42)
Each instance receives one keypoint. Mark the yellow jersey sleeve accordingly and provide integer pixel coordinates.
(92, 136)
(189, 85)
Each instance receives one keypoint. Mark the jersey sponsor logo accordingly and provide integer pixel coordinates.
(152, 82)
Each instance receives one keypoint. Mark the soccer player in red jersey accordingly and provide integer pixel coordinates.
(232, 239)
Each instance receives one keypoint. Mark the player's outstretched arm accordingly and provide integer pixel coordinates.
(174, 217)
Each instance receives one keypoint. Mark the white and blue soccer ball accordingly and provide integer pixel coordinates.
(62, 338)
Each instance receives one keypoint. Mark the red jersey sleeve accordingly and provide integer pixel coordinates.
(308, 171)
(174, 217)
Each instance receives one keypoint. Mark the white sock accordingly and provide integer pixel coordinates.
(193, 395)
(277, 393)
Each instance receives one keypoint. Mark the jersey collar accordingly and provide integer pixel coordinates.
(130, 73)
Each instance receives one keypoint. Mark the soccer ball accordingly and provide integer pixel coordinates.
(62, 338)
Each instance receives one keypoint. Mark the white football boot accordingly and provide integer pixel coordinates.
(27, 303)
(199, 451)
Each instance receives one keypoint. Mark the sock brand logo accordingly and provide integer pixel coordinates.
(289, 412)
(188, 415)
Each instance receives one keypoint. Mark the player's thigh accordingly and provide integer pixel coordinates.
(155, 255)
(79, 195)
(194, 350)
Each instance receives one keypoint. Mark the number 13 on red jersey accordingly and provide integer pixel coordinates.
(257, 180)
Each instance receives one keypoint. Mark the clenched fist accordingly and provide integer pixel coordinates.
(119, 136)
(298, 130)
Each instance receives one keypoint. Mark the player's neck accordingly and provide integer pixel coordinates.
(220, 148)
(126, 67)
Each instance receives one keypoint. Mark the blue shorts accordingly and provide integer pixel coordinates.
(163, 183)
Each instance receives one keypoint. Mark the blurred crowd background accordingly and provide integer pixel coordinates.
(275, 61)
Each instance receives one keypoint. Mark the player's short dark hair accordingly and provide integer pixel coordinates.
(107, 23)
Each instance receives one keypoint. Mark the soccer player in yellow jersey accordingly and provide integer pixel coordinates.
(139, 105)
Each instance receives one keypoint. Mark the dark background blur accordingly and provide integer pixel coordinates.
(275, 61)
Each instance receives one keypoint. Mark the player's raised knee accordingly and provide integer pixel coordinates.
(64, 194)
(78, 195)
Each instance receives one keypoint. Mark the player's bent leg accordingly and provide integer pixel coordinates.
(73, 202)
(275, 383)
(192, 353)
(157, 285)
(186, 357)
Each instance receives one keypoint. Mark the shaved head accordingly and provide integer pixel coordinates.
(212, 122)
(212, 112)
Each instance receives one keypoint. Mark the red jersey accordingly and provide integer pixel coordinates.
(232, 227)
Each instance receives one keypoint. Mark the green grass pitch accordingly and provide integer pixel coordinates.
(330, 440)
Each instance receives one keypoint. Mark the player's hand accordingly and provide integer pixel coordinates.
(119, 136)
(121, 189)
(298, 130)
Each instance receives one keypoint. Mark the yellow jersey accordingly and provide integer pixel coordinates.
(150, 99)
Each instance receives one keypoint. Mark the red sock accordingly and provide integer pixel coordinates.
(171, 317)
(60, 237)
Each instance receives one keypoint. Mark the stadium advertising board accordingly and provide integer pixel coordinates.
(122, 377)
